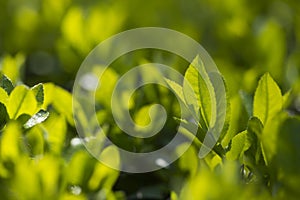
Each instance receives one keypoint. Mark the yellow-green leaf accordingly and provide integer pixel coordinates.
(11, 66)
(239, 145)
(201, 86)
(267, 99)
(21, 101)
(56, 128)
(10, 148)
(60, 99)
(3, 96)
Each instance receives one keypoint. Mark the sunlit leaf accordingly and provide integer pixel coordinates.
(55, 127)
(80, 169)
(49, 173)
(37, 119)
(10, 147)
(106, 86)
(60, 99)
(3, 96)
(267, 99)
(21, 101)
(201, 106)
(11, 66)
(239, 145)
(63, 103)
(105, 176)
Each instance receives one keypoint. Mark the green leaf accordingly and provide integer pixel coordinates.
(3, 96)
(38, 118)
(80, 169)
(106, 86)
(60, 99)
(177, 89)
(255, 126)
(198, 99)
(267, 99)
(55, 128)
(205, 94)
(10, 147)
(35, 141)
(188, 158)
(21, 101)
(3, 112)
(49, 94)
(271, 136)
(223, 101)
(38, 91)
(286, 99)
(234, 121)
(63, 103)
(239, 145)
(105, 175)
(11, 66)
(6, 83)
(247, 100)
(3, 115)
(255, 130)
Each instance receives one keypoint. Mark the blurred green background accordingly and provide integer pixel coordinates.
(47, 40)
(240, 35)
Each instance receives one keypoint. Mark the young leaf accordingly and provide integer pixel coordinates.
(6, 84)
(202, 87)
(38, 118)
(286, 99)
(239, 145)
(267, 99)
(21, 101)
(38, 91)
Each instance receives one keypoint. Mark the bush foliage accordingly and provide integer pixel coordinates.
(256, 48)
